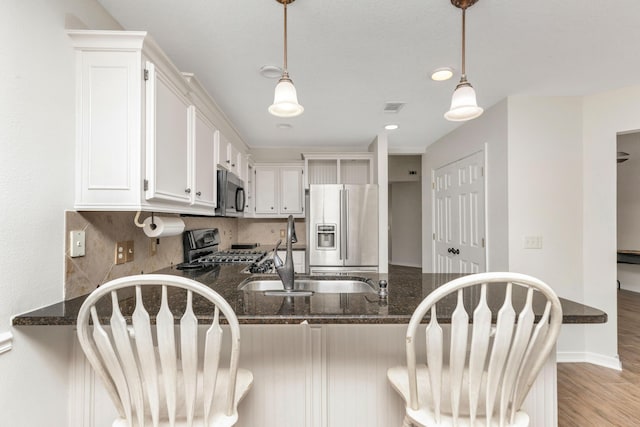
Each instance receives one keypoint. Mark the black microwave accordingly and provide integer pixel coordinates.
(231, 196)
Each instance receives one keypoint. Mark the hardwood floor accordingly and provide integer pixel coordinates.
(592, 396)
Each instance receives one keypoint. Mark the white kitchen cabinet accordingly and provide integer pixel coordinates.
(230, 158)
(147, 134)
(168, 152)
(204, 175)
(249, 182)
(278, 190)
(338, 168)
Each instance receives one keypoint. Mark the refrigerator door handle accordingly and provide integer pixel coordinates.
(340, 231)
(345, 224)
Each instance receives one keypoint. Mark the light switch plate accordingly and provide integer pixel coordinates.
(532, 242)
(76, 243)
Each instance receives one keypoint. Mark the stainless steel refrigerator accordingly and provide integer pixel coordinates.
(342, 224)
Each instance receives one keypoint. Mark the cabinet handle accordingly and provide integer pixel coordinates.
(228, 161)
(199, 193)
(188, 191)
(285, 208)
(271, 207)
(233, 165)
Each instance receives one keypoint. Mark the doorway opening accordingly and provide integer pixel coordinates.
(628, 211)
(405, 210)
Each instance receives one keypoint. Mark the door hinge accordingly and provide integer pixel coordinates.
(434, 236)
(483, 242)
(146, 185)
(433, 185)
(146, 74)
(482, 171)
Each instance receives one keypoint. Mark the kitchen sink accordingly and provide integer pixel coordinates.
(309, 286)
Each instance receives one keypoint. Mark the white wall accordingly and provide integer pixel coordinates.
(628, 210)
(545, 196)
(37, 137)
(489, 133)
(406, 224)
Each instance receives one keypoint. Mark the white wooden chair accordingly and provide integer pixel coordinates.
(169, 382)
(481, 379)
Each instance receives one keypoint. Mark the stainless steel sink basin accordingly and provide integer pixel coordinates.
(309, 286)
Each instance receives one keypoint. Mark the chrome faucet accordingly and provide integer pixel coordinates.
(285, 270)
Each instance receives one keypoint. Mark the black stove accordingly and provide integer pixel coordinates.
(201, 250)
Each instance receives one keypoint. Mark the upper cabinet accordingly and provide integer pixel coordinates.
(338, 168)
(148, 136)
(169, 154)
(278, 190)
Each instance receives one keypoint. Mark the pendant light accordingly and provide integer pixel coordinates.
(463, 102)
(285, 99)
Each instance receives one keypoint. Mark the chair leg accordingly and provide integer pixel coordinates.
(406, 422)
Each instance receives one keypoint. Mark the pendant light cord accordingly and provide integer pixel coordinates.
(464, 73)
(285, 36)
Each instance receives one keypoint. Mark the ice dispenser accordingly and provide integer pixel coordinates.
(326, 236)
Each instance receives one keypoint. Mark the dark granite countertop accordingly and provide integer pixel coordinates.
(407, 287)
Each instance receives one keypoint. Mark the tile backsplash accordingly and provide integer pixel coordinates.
(104, 229)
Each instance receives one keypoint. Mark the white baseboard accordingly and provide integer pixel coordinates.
(6, 342)
(588, 357)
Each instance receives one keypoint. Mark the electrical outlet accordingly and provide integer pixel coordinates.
(153, 247)
(76, 243)
(128, 256)
(121, 250)
(532, 242)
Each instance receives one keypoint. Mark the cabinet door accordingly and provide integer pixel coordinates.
(266, 197)
(168, 160)
(204, 136)
(233, 159)
(291, 190)
(223, 152)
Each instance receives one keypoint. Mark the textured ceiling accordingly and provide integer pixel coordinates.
(348, 57)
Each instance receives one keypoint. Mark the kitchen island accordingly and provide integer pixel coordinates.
(318, 361)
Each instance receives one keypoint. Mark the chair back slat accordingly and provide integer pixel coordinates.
(189, 356)
(122, 341)
(501, 342)
(167, 352)
(434, 343)
(527, 373)
(111, 363)
(213, 338)
(458, 353)
(519, 345)
(146, 354)
(479, 348)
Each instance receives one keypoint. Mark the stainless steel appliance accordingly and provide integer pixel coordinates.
(231, 196)
(343, 228)
(201, 251)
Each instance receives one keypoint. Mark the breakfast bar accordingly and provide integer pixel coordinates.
(317, 360)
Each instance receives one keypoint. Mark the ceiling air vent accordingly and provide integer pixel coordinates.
(393, 107)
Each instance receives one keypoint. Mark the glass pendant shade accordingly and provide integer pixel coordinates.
(463, 104)
(285, 100)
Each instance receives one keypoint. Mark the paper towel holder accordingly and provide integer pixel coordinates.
(137, 222)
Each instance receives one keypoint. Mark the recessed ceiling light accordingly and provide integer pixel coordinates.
(271, 71)
(442, 74)
(284, 126)
(391, 127)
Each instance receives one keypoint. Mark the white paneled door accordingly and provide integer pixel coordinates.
(459, 215)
